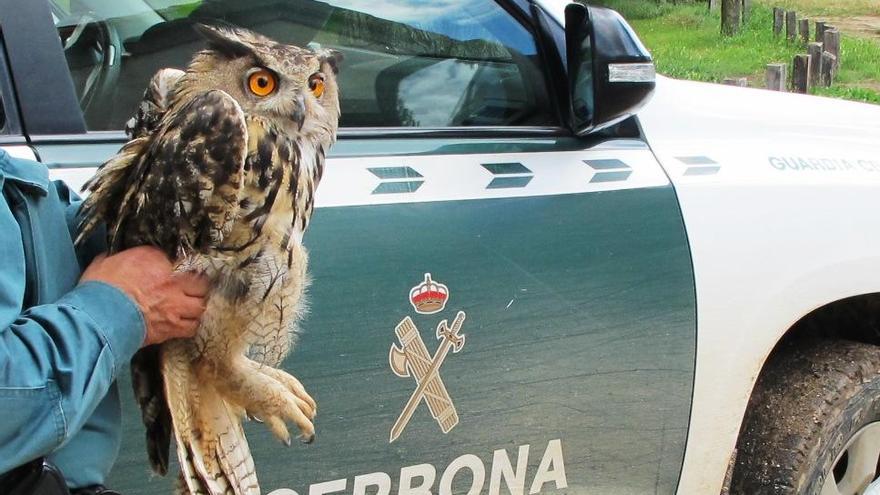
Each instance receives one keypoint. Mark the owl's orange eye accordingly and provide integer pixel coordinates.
(316, 84)
(262, 82)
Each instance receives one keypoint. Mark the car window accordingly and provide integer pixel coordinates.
(413, 63)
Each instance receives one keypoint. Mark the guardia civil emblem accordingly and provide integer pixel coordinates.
(411, 358)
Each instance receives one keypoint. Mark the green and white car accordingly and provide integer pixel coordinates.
(665, 286)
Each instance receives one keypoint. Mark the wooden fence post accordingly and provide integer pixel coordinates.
(800, 74)
(746, 10)
(791, 25)
(805, 30)
(820, 31)
(731, 17)
(778, 16)
(828, 60)
(815, 50)
(831, 44)
(776, 77)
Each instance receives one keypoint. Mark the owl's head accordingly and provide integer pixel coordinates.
(294, 88)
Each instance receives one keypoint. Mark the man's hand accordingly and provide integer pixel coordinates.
(172, 303)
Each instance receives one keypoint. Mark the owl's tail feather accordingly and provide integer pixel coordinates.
(212, 450)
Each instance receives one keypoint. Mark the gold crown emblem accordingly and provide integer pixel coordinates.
(429, 297)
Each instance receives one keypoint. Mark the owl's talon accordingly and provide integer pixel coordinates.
(293, 384)
(273, 396)
(279, 429)
(299, 417)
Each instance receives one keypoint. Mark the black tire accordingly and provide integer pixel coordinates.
(809, 401)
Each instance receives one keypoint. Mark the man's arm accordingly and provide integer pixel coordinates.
(57, 361)
(90, 247)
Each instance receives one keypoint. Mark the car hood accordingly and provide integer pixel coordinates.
(686, 110)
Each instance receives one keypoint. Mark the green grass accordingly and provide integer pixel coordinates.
(686, 43)
(861, 60)
(849, 93)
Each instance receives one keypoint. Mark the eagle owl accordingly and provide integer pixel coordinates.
(221, 173)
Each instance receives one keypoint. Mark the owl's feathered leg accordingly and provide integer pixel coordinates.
(256, 315)
(211, 447)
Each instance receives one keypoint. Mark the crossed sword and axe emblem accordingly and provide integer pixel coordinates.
(412, 359)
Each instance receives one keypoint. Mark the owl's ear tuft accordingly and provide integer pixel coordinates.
(225, 40)
(331, 58)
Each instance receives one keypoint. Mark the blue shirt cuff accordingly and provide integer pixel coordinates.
(119, 319)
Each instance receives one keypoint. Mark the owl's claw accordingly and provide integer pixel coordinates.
(273, 397)
(253, 417)
(278, 427)
(300, 416)
(305, 401)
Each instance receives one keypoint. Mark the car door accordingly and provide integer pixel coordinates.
(496, 306)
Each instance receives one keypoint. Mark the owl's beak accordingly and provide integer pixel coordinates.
(299, 111)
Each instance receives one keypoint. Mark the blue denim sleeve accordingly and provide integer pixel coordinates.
(71, 201)
(92, 246)
(57, 361)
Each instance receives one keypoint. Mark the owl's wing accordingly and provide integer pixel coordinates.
(177, 189)
(113, 173)
(107, 188)
(154, 104)
(181, 185)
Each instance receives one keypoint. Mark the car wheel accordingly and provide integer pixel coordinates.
(813, 422)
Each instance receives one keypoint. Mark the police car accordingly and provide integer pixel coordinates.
(608, 281)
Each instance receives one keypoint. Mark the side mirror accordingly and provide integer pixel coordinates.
(610, 73)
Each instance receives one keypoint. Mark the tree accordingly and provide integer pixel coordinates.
(731, 16)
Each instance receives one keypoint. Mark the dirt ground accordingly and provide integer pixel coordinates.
(867, 26)
(830, 8)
